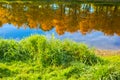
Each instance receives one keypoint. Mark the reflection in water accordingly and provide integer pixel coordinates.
(73, 18)
(64, 17)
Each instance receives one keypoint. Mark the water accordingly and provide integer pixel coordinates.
(97, 25)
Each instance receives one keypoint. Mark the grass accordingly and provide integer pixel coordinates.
(39, 58)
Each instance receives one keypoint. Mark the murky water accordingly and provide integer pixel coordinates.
(97, 25)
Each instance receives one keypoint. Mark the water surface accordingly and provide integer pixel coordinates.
(97, 25)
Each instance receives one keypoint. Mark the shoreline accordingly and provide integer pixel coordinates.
(103, 52)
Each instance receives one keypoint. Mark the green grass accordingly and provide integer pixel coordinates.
(39, 58)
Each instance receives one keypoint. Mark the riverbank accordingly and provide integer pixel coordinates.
(107, 52)
(39, 58)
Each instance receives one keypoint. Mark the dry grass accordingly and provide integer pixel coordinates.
(107, 52)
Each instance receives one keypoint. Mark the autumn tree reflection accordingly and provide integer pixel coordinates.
(63, 17)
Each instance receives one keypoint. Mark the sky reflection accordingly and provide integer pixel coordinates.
(93, 39)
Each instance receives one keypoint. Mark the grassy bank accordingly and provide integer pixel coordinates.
(39, 58)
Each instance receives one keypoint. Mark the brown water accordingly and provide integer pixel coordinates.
(97, 25)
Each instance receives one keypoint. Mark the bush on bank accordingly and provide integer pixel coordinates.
(48, 52)
(39, 58)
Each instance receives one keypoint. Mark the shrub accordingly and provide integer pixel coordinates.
(47, 51)
(55, 52)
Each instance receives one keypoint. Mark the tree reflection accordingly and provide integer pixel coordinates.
(63, 17)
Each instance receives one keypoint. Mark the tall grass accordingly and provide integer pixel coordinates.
(39, 58)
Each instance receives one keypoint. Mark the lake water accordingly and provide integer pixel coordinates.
(97, 25)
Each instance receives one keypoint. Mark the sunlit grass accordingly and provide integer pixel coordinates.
(39, 58)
